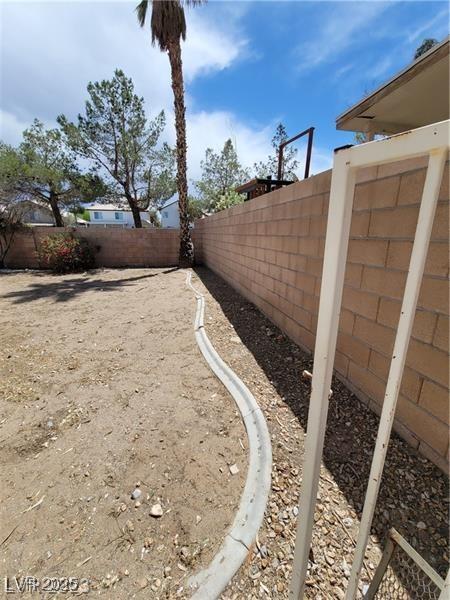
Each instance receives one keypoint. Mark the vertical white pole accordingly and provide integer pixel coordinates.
(405, 324)
(445, 593)
(338, 229)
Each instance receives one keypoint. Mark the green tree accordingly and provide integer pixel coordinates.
(195, 208)
(270, 167)
(424, 47)
(230, 198)
(168, 27)
(43, 168)
(221, 173)
(122, 144)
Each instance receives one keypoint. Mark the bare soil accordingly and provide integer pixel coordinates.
(103, 388)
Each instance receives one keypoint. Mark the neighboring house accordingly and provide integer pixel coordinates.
(36, 213)
(169, 214)
(115, 215)
(72, 220)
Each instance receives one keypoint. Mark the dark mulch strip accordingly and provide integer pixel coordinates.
(412, 491)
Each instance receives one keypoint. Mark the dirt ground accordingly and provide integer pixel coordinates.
(414, 494)
(103, 388)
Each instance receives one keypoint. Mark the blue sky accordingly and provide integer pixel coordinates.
(248, 65)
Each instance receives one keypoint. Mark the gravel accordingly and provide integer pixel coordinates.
(413, 491)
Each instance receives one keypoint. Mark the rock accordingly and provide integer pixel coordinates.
(167, 571)
(156, 511)
(135, 494)
(234, 469)
(421, 525)
(129, 525)
(148, 541)
(137, 504)
(143, 583)
(198, 519)
(83, 588)
(278, 528)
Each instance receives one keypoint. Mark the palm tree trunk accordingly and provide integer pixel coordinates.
(186, 254)
(53, 200)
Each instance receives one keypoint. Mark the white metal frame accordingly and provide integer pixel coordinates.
(394, 542)
(432, 140)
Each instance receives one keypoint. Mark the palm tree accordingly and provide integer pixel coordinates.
(168, 26)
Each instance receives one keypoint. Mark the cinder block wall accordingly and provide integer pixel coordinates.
(271, 250)
(113, 247)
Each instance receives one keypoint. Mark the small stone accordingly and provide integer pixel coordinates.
(143, 583)
(129, 525)
(198, 519)
(234, 469)
(167, 571)
(278, 528)
(263, 551)
(421, 525)
(148, 541)
(137, 504)
(135, 494)
(156, 511)
(83, 588)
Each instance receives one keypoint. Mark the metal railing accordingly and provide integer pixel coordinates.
(310, 133)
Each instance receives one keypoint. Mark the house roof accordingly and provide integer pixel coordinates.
(170, 201)
(416, 96)
(112, 207)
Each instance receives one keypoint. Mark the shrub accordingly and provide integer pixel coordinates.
(227, 200)
(64, 253)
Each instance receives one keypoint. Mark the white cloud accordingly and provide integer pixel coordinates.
(211, 130)
(63, 46)
(11, 128)
(339, 27)
(441, 17)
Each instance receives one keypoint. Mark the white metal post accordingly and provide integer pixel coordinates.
(445, 593)
(338, 229)
(406, 321)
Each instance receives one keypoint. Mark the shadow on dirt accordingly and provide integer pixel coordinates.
(69, 287)
(413, 490)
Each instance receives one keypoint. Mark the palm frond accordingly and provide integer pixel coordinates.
(141, 10)
(168, 22)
